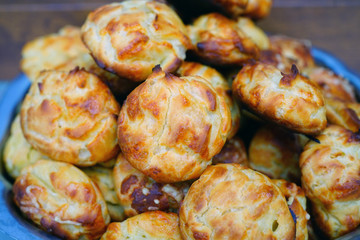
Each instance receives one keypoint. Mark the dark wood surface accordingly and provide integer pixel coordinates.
(333, 25)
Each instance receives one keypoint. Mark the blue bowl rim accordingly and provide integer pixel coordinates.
(12, 225)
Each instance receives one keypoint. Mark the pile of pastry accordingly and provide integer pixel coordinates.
(132, 130)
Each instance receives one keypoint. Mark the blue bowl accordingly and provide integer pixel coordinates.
(14, 226)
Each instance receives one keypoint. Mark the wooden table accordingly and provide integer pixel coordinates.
(333, 25)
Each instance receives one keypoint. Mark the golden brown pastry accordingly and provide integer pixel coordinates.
(131, 37)
(104, 180)
(331, 177)
(331, 84)
(294, 51)
(234, 151)
(18, 153)
(219, 41)
(65, 51)
(138, 193)
(275, 152)
(221, 86)
(256, 34)
(234, 202)
(290, 100)
(345, 114)
(296, 201)
(71, 117)
(154, 225)
(62, 200)
(169, 128)
(252, 8)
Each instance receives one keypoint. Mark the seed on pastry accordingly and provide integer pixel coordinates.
(256, 34)
(149, 225)
(138, 193)
(131, 37)
(296, 201)
(233, 202)
(18, 153)
(169, 128)
(71, 117)
(331, 84)
(234, 151)
(221, 86)
(62, 200)
(103, 178)
(330, 178)
(275, 152)
(219, 41)
(290, 100)
(345, 114)
(65, 51)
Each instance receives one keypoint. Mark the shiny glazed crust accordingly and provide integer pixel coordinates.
(131, 37)
(62, 200)
(233, 202)
(71, 117)
(296, 201)
(256, 34)
(103, 178)
(275, 152)
(289, 100)
(169, 128)
(252, 8)
(330, 178)
(219, 41)
(154, 225)
(221, 86)
(234, 151)
(345, 114)
(138, 193)
(18, 153)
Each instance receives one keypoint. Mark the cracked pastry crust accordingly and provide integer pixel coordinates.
(131, 37)
(234, 202)
(290, 100)
(234, 151)
(219, 41)
(138, 193)
(169, 128)
(18, 153)
(345, 114)
(296, 200)
(275, 152)
(103, 178)
(330, 178)
(149, 225)
(256, 34)
(71, 117)
(221, 86)
(62, 200)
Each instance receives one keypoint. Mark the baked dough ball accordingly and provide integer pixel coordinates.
(169, 128)
(18, 153)
(131, 37)
(256, 34)
(62, 200)
(71, 117)
(104, 180)
(234, 151)
(251, 8)
(219, 41)
(65, 51)
(233, 202)
(331, 84)
(330, 178)
(345, 114)
(138, 193)
(290, 100)
(221, 86)
(275, 152)
(154, 225)
(296, 201)
(295, 51)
